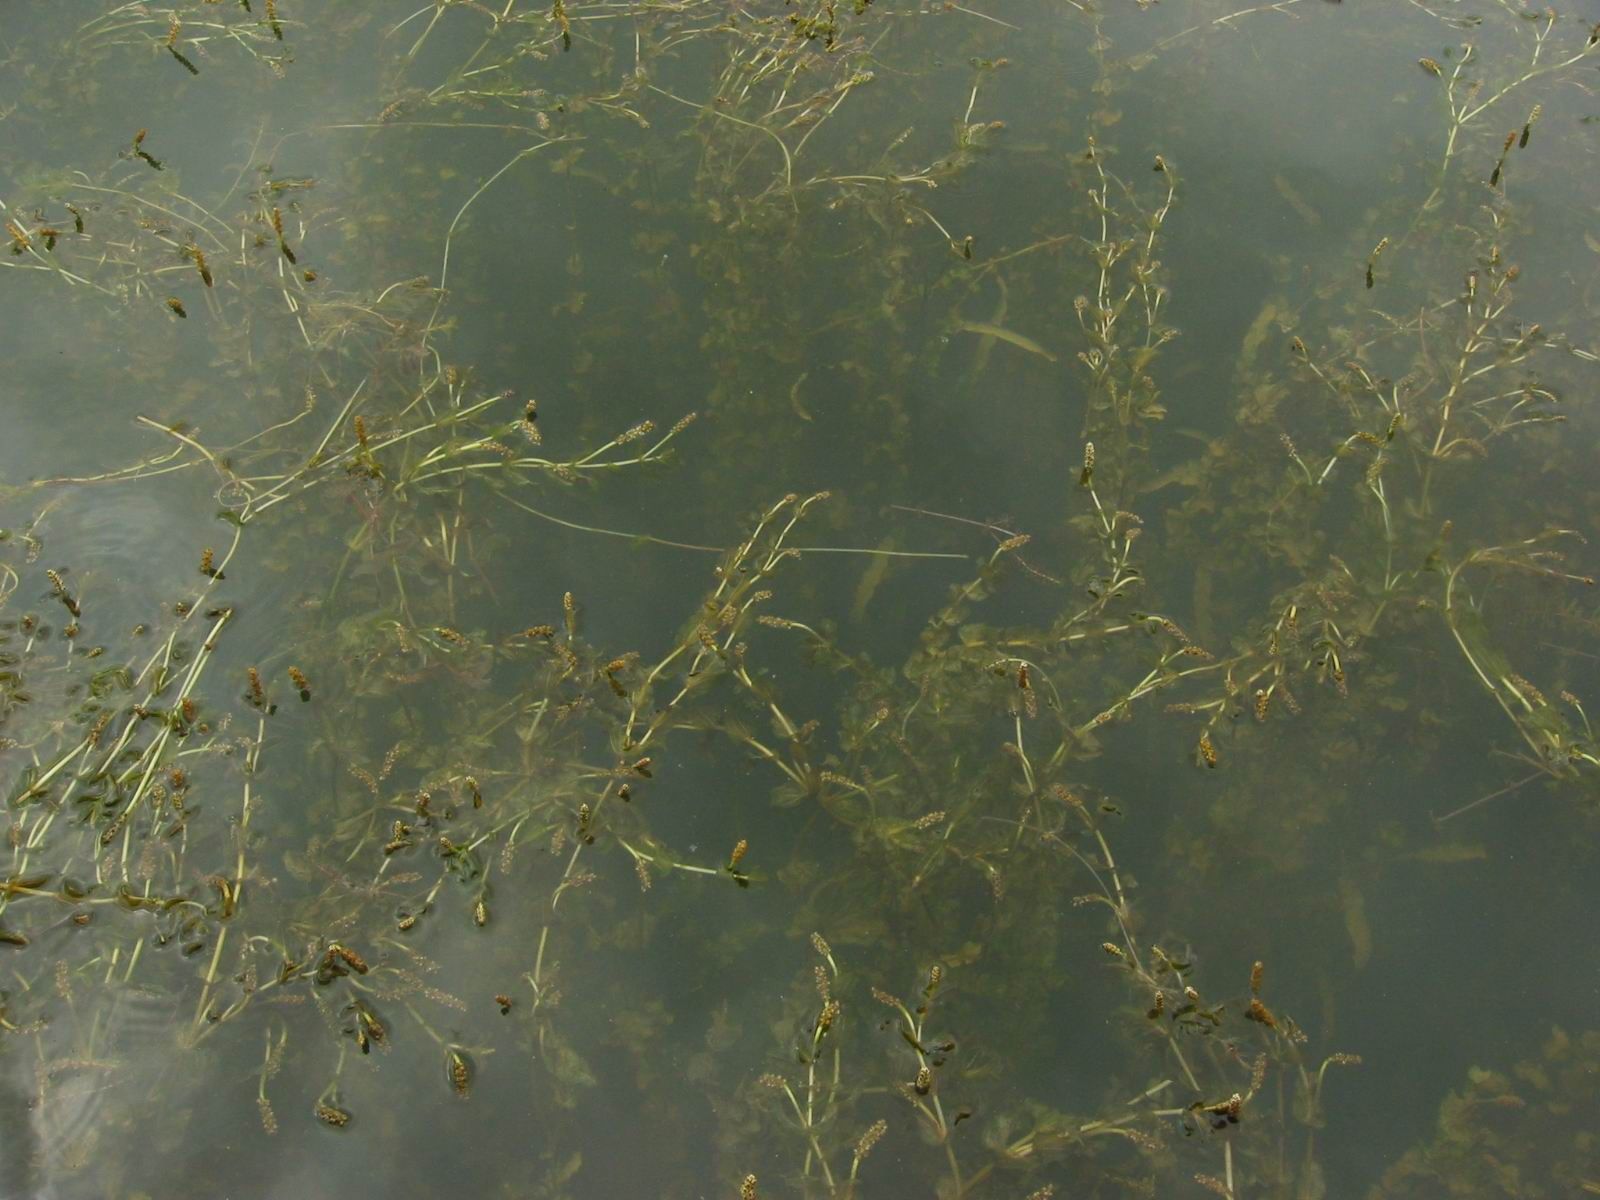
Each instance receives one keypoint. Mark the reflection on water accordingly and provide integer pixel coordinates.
(848, 598)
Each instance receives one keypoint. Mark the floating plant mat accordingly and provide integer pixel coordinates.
(847, 598)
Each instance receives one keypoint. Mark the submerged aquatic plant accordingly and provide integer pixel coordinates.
(391, 746)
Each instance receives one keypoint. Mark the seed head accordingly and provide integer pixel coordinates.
(460, 1073)
(869, 1139)
(1261, 1014)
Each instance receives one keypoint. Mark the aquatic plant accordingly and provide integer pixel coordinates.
(464, 719)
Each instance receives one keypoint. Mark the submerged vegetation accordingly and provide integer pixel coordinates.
(510, 653)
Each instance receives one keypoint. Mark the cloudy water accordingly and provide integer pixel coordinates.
(829, 599)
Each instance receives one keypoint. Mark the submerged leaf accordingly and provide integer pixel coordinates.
(1020, 341)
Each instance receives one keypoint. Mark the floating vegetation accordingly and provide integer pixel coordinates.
(604, 412)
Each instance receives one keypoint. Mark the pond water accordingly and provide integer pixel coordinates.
(828, 598)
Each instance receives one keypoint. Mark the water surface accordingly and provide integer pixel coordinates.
(826, 599)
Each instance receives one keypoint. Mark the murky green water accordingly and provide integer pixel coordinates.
(844, 598)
